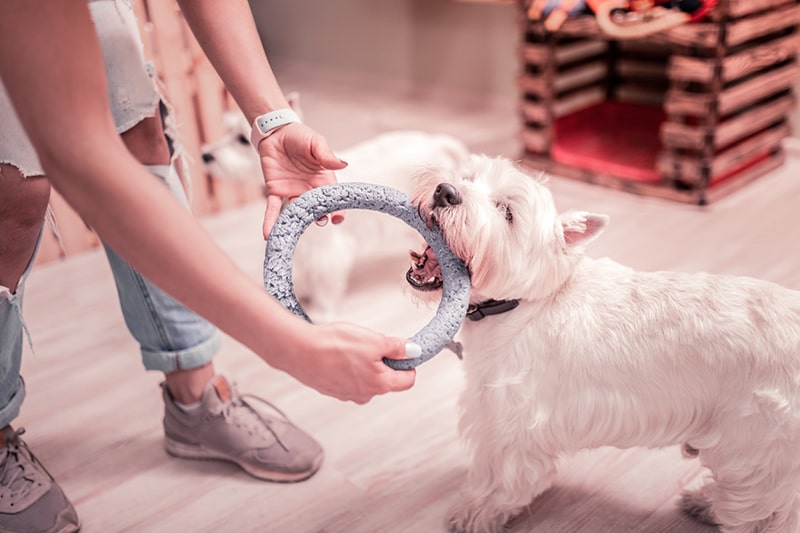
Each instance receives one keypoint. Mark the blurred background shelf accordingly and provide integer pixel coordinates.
(720, 96)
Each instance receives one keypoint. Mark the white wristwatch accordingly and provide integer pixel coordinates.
(265, 125)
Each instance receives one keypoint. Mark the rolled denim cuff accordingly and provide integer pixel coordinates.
(172, 360)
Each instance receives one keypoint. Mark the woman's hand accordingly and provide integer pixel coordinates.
(294, 160)
(346, 361)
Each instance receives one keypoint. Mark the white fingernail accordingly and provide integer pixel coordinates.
(413, 349)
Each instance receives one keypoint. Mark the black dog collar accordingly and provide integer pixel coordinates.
(490, 307)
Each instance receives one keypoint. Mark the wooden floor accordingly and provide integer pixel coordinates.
(395, 465)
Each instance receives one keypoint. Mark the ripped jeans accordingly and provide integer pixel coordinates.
(170, 336)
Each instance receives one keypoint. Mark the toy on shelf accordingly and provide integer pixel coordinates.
(622, 19)
(690, 113)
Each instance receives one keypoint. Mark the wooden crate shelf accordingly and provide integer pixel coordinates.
(689, 114)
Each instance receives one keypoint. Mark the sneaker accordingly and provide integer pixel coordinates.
(30, 499)
(227, 426)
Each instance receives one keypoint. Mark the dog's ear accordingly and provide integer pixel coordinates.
(235, 123)
(581, 227)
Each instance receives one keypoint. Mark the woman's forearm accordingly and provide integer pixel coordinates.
(227, 33)
(164, 243)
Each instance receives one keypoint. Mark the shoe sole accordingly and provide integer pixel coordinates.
(65, 523)
(189, 451)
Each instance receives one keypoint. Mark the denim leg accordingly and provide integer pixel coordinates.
(12, 388)
(171, 336)
(12, 331)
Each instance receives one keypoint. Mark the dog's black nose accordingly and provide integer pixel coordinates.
(445, 195)
(207, 158)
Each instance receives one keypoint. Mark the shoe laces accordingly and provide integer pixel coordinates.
(16, 459)
(241, 412)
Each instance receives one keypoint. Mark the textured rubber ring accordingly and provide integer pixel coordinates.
(312, 205)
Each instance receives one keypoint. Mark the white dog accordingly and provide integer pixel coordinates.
(577, 353)
(326, 258)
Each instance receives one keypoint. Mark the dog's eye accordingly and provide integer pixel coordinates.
(242, 139)
(506, 210)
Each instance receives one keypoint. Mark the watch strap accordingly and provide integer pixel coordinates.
(266, 124)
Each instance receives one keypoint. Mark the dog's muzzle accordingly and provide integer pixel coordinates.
(424, 273)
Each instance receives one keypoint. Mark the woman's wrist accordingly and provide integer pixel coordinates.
(265, 125)
(262, 106)
(285, 344)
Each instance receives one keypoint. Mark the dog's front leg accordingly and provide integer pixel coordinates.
(501, 483)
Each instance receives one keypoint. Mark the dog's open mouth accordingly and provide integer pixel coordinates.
(424, 273)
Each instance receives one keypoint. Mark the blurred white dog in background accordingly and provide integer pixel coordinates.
(326, 258)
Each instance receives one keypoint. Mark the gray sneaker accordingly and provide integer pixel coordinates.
(30, 499)
(227, 426)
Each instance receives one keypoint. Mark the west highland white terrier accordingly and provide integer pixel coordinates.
(327, 258)
(563, 352)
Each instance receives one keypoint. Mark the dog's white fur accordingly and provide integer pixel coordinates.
(598, 354)
(327, 257)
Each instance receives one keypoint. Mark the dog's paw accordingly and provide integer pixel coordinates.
(696, 504)
(473, 519)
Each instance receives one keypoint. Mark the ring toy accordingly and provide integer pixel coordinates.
(316, 203)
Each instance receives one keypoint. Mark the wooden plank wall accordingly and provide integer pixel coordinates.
(199, 99)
